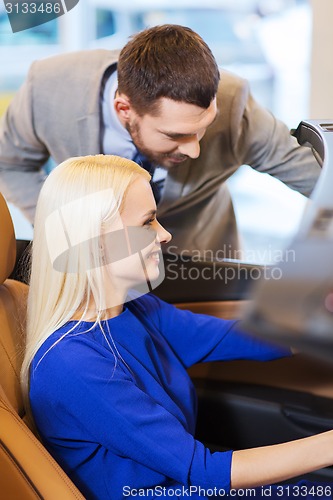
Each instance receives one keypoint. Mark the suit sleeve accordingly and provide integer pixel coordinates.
(22, 154)
(264, 142)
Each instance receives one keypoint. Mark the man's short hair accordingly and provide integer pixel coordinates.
(167, 61)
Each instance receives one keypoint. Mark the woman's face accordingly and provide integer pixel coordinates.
(139, 251)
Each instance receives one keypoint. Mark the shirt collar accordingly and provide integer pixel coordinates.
(116, 139)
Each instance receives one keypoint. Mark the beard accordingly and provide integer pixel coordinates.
(164, 160)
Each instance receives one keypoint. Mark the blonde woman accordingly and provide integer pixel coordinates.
(104, 376)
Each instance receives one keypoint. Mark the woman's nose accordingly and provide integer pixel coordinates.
(162, 235)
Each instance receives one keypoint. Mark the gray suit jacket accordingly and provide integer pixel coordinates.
(57, 112)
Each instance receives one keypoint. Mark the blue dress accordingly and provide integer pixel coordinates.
(117, 409)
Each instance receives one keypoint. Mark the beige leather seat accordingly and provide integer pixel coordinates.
(27, 471)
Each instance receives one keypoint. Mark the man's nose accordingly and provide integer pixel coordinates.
(190, 147)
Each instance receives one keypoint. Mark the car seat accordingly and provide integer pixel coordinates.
(27, 470)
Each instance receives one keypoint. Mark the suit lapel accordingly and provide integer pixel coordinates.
(174, 185)
(88, 129)
(89, 125)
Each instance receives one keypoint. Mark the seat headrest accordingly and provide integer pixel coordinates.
(7, 242)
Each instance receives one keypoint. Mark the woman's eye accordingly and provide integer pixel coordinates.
(149, 222)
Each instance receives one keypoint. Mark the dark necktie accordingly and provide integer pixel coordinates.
(155, 186)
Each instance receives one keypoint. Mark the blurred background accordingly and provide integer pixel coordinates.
(268, 42)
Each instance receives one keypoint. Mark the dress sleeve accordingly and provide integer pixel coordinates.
(101, 401)
(199, 338)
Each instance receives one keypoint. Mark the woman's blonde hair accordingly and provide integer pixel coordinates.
(85, 194)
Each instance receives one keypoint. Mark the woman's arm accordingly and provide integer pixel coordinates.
(207, 338)
(272, 464)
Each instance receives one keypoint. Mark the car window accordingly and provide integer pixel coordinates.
(268, 215)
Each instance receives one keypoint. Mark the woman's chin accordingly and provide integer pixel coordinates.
(153, 273)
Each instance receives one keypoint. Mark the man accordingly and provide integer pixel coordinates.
(163, 100)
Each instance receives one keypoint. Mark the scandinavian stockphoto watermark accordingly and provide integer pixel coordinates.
(26, 14)
(287, 491)
(135, 251)
(226, 264)
(186, 492)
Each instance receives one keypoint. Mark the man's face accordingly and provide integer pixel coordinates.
(172, 136)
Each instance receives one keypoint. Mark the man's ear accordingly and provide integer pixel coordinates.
(123, 107)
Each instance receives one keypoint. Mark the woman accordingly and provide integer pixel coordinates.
(104, 376)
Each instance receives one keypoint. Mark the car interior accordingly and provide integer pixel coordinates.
(241, 403)
(244, 404)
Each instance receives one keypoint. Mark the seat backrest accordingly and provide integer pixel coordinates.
(27, 470)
